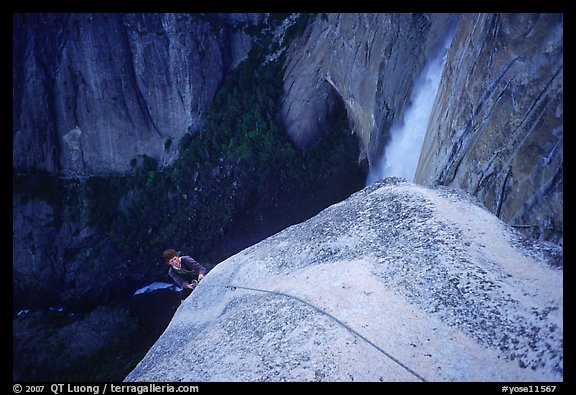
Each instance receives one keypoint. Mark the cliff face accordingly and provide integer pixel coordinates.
(95, 92)
(497, 126)
(397, 283)
(99, 93)
(368, 62)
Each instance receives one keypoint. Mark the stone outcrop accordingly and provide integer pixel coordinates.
(497, 126)
(397, 283)
(93, 93)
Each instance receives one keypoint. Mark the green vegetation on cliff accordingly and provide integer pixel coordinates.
(240, 159)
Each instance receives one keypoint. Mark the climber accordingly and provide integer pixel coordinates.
(185, 272)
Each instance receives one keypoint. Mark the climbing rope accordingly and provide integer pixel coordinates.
(323, 312)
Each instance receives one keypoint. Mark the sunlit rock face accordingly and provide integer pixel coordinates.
(497, 126)
(399, 282)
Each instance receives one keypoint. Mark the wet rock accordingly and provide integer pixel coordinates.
(368, 62)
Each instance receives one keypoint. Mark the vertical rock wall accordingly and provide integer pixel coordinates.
(497, 126)
(93, 92)
(369, 61)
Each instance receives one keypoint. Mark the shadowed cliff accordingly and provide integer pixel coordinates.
(95, 92)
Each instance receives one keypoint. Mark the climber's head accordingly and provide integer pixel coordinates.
(168, 255)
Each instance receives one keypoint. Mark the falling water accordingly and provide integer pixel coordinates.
(401, 155)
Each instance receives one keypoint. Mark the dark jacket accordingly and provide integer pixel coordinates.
(189, 271)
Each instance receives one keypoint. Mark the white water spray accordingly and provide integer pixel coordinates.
(401, 155)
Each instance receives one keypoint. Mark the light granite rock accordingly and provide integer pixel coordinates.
(399, 282)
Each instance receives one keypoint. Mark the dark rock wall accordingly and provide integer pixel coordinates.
(93, 92)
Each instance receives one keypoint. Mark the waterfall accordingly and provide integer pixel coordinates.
(401, 155)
